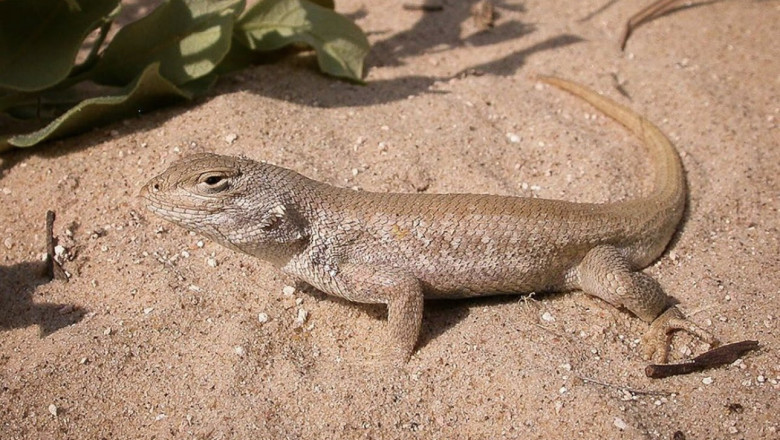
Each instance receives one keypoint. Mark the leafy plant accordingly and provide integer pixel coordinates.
(172, 54)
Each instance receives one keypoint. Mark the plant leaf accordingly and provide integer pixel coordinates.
(39, 39)
(150, 90)
(340, 44)
(188, 38)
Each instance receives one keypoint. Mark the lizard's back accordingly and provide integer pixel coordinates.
(476, 244)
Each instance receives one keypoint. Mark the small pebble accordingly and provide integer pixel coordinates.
(707, 380)
(288, 290)
(513, 138)
(239, 350)
(53, 410)
(148, 310)
(211, 262)
(231, 138)
(8, 243)
(546, 316)
(301, 318)
(262, 317)
(620, 424)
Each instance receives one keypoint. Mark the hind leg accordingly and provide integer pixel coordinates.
(606, 274)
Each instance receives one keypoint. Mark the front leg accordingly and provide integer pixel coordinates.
(402, 293)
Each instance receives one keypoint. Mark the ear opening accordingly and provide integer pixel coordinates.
(274, 216)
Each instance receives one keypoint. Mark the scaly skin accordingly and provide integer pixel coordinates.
(396, 249)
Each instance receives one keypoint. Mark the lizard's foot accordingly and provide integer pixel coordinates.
(657, 340)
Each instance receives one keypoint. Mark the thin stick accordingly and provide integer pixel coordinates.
(53, 269)
(653, 10)
(716, 357)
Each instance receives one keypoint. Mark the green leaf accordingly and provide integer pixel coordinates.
(39, 39)
(340, 44)
(330, 4)
(150, 90)
(188, 38)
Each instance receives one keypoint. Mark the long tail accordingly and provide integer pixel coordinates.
(663, 207)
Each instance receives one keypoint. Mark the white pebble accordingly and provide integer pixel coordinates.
(761, 378)
(231, 138)
(620, 424)
(148, 310)
(288, 290)
(8, 243)
(301, 318)
(211, 262)
(546, 316)
(513, 138)
(262, 317)
(239, 350)
(707, 380)
(53, 410)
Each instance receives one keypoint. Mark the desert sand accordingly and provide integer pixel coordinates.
(163, 334)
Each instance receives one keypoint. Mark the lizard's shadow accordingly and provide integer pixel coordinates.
(18, 308)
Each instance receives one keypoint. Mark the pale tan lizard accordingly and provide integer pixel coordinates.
(396, 249)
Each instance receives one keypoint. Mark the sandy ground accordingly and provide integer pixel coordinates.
(150, 340)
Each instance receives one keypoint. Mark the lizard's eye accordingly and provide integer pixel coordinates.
(213, 182)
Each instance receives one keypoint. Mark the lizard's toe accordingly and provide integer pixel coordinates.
(657, 340)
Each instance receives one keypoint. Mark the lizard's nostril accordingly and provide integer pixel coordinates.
(156, 187)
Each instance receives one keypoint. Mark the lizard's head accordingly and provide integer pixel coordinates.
(238, 202)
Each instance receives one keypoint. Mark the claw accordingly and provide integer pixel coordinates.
(657, 340)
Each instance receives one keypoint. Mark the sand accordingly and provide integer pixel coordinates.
(159, 333)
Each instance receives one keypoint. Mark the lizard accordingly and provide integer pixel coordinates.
(399, 248)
